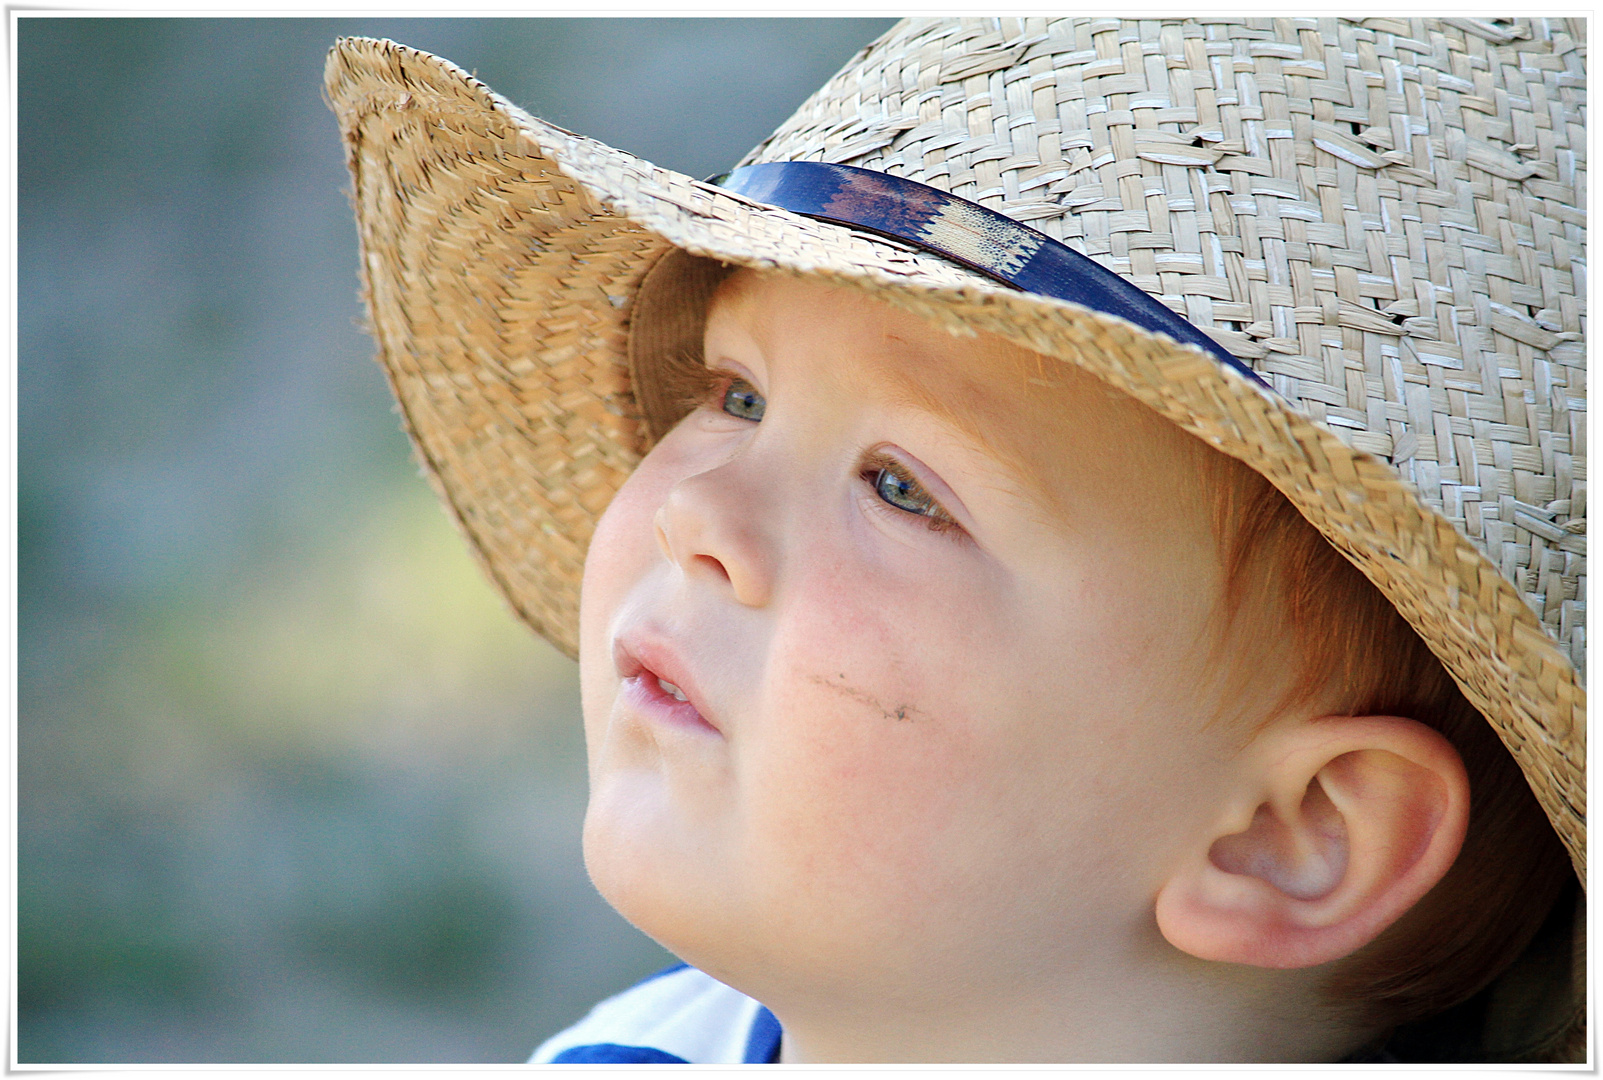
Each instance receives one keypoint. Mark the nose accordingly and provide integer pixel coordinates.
(712, 525)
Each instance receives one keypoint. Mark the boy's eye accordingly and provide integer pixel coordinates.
(893, 484)
(742, 399)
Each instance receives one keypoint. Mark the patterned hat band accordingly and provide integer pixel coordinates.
(975, 236)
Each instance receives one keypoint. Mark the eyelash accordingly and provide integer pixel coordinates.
(874, 469)
(877, 465)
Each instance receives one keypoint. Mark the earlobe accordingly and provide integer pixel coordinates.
(1341, 825)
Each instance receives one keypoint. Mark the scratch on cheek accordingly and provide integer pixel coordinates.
(901, 712)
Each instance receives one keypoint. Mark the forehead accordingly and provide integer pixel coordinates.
(1055, 427)
(841, 335)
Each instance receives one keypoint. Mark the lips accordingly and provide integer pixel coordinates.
(657, 684)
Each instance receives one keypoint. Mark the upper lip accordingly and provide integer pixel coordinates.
(642, 650)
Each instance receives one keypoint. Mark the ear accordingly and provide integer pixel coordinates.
(1339, 825)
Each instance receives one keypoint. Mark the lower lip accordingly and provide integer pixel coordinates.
(646, 696)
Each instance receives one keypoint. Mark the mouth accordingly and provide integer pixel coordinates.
(656, 684)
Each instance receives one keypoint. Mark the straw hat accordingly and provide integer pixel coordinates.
(1381, 218)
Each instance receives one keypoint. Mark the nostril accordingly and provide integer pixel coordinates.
(708, 562)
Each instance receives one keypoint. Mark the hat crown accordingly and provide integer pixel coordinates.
(1383, 217)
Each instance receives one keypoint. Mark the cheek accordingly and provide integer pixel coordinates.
(880, 765)
(624, 545)
(622, 550)
(939, 745)
(622, 541)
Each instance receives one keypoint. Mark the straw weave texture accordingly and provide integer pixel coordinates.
(1385, 218)
(1381, 217)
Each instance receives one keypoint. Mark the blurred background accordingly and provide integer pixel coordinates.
(291, 783)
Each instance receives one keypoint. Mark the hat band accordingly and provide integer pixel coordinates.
(975, 236)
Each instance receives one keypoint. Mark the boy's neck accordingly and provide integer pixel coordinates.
(1178, 1016)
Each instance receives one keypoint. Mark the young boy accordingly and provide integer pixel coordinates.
(968, 670)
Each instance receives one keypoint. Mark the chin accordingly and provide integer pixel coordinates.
(614, 868)
(646, 882)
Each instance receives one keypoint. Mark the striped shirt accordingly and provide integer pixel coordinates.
(677, 1016)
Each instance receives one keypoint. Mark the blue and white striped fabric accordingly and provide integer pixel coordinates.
(677, 1016)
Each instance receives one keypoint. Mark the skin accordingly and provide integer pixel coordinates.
(945, 772)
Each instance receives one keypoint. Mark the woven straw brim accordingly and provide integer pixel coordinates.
(501, 259)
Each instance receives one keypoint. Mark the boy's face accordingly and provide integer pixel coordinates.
(938, 607)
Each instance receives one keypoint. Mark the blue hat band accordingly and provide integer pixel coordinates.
(967, 233)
